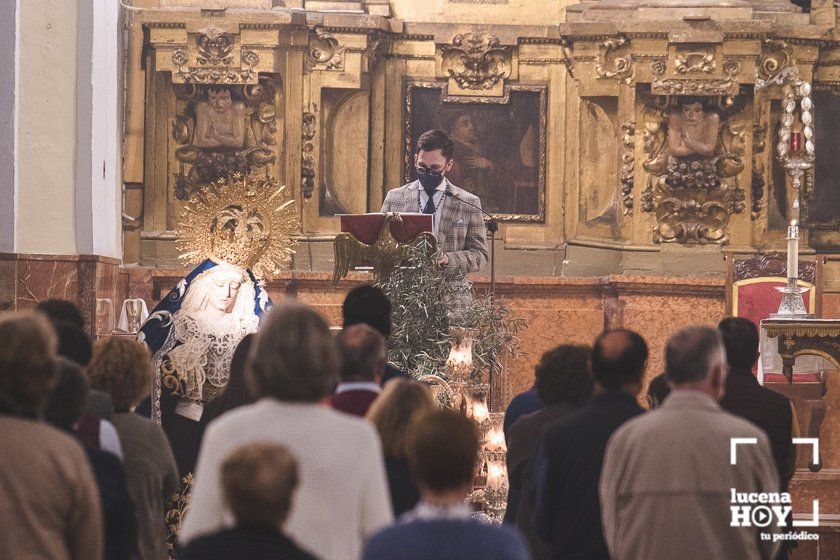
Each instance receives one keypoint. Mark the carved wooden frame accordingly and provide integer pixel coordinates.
(408, 148)
(772, 265)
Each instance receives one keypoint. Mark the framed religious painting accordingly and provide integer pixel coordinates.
(821, 200)
(499, 144)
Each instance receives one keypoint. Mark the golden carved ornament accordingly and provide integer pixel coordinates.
(777, 55)
(324, 52)
(476, 61)
(248, 221)
(385, 254)
(695, 62)
(246, 73)
(214, 47)
(628, 158)
(667, 86)
(609, 66)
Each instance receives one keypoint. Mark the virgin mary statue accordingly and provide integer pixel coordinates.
(192, 334)
(241, 229)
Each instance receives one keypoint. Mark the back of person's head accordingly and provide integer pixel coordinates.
(442, 448)
(740, 338)
(619, 358)
(295, 357)
(122, 368)
(27, 362)
(391, 413)
(369, 305)
(562, 375)
(693, 354)
(66, 401)
(238, 391)
(658, 390)
(258, 482)
(62, 311)
(362, 353)
(73, 343)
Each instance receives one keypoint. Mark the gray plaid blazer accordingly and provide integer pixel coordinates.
(462, 234)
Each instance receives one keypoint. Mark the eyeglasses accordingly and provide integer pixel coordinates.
(429, 172)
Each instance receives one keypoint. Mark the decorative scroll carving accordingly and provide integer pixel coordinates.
(628, 157)
(223, 130)
(216, 75)
(610, 66)
(692, 183)
(307, 161)
(772, 265)
(668, 86)
(214, 47)
(695, 62)
(325, 52)
(476, 61)
(778, 55)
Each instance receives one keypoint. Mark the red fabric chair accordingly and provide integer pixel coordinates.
(751, 293)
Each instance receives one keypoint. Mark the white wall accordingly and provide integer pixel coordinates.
(69, 91)
(8, 123)
(98, 96)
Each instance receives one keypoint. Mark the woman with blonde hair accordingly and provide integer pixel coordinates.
(123, 368)
(400, 402)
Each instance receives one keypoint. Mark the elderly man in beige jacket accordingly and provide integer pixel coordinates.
(667, 481)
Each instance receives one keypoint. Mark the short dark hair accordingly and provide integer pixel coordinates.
(441, 448)
(62, 311)
(295, 358)
(563, 375)
(258, 481)
(73, 343)
(740, 338)
(68, 397)
(436, 139)
(369, 305)
(362, 348)
(658, 389)
(690, 354)
(619, 357)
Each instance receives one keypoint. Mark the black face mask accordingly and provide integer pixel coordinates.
(429, 179)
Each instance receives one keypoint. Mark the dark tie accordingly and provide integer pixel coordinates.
(430, 205)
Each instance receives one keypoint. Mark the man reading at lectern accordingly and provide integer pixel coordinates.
(458, 223)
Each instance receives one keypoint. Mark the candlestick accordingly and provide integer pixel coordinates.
(793, 251)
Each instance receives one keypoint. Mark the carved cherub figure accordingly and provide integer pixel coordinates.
(692, 130)
(219, 120)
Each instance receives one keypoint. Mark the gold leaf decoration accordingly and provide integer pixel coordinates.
(247, 221)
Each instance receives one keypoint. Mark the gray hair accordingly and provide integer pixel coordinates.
(692, 353)
(295, 357)
(362, 350)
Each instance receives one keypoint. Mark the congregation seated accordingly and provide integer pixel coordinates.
(343, 495)
(258, 483)
(64, 409)
(122, 368)
(49, 503)
(391, 414)
(569, 464)
(667, 475)
(362, 366)
(562, 383)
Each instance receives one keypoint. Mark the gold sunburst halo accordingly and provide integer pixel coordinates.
(247, 221)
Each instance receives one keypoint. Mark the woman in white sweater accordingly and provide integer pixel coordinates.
(343, 496)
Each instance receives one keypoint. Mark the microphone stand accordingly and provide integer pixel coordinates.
(492, 225)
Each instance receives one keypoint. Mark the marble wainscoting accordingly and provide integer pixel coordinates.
(97, 284)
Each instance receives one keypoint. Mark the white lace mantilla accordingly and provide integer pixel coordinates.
(200, 349)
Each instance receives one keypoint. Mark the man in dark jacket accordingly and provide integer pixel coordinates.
(568, 466)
